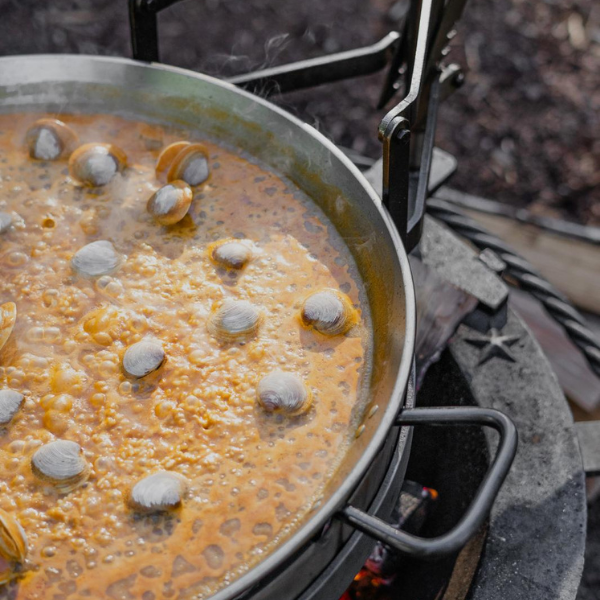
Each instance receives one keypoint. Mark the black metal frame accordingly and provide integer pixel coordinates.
(324, 69)
(144, 27)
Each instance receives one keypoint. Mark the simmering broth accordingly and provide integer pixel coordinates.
(248, 476)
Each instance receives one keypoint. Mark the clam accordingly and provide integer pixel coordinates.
(13, 546)
(283, 392)
(329, 312)
(234, 320)
(96, 258)
(143, 357)
(10, 403)
(96, 164)
(8, 316)
(167, 156)
(60, 463)
(170, 203)
(185, 161)
(231, 254)
(158, 492)
(50, 139)
(5, 222)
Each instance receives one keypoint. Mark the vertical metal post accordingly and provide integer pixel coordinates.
(144, 32)
(396, 176)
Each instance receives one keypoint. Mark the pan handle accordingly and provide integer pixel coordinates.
(457, 537)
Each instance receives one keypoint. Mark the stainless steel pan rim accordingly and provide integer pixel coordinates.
(21, 70)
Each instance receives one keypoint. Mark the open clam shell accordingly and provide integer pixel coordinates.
(60, 463)
(13, 541)
(143, 357)
(283, 392)
(329, 312)
(95, 165)
(158, 492)
(95, 259)
(234, 321)
(170, 203)
(50, 139)
(10, 403)
(167, 156)
(191, 165)
(8, 317)
(184, 161)
(230, 254)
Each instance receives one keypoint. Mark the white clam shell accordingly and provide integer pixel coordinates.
(47, 146)
(10, 403)
(60, 463)
(170, 203)
(157, 492)
(231, 254)
(189, 164)
(143, 357)
(49, 139)
(5, 222)
(96, 164)
(329, 312)
(95, 259)
(234, 320)
(283, 392)
(195, 171)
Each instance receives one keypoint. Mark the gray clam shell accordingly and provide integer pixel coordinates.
(10, 403)
(47, 145)
(235, 320)
(195, 171)
(232, 255)
(158, 492)
(326, 312)
(170, 203)
(60, 463)
(96, 258)
(283, 392)
(143, 357)
(5, 222)
(97, 167)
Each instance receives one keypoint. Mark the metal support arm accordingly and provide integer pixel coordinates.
(480, 507)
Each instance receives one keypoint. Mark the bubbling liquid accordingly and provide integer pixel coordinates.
(251, 476)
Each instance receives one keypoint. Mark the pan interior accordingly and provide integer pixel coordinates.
(170, 96)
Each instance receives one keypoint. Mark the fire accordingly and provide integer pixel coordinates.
(375, 581)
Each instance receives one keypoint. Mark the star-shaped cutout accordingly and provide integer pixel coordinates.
(494, 345)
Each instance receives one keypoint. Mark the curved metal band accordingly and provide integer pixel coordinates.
(476, 514)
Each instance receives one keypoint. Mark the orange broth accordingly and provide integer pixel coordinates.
(253, 477)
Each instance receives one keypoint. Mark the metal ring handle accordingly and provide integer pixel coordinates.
(476, 514)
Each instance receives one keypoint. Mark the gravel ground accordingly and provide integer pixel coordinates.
(524, 127)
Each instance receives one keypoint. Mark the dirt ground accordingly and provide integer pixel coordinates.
(525, 127)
